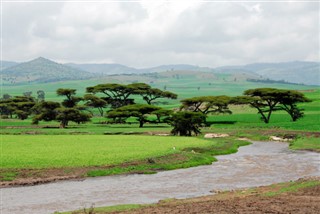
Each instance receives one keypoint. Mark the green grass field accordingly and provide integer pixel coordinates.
(87, 150)
(44, 156)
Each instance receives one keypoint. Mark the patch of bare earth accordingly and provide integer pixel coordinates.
(306, 200)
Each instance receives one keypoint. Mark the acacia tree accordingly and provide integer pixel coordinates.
(140, 111)
(207, 104)
(46, 110)
(268, 100)
(21, 106)
(6, 108)
(186, 123)
(116, 94)
(41, 95)
(289, 102)
(150, 94)
(70, 111)
(64, 115)
(6, 96)
(95, 102)
(162, 113)
(71, 100)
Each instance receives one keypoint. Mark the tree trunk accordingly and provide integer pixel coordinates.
(100, 111)
(264, 118)
(63, 124)
(141, 123)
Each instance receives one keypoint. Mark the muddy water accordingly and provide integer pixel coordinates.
(254, 165)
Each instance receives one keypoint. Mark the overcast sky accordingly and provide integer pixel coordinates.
(150, 33)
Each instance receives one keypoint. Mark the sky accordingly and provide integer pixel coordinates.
(150, 33)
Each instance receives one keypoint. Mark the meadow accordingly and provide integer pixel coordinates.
(86, 150)
(30, 158)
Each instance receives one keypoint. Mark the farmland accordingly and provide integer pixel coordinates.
(46, 151)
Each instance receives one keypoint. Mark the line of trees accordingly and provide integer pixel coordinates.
(116, 97)
(118, 100)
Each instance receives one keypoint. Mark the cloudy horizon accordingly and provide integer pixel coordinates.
(150, 33)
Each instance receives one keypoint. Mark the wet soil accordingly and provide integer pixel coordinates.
(305, 200)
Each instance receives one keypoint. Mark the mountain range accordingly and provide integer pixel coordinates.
(45, 70)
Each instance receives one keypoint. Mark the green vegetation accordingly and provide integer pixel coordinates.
(291, 187)
(108, 155)
(8, 176)
(306, 143)
(207, 104)
(167, 162)
(87, 150)
(269, 100)
(210, 84)
(139, 111)
(187, 157)
(186, 123)
(70, 110)
(124, 207)
(94, 144)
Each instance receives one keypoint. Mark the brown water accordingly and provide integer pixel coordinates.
(254, 165)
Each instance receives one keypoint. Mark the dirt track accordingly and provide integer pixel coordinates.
(304, 201)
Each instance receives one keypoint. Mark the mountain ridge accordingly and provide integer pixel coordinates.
(301, 72)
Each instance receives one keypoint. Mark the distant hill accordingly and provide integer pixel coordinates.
(104, 69)
(293, 72)
(107, 69)
(175, 67)
(182, 78)
(296, 72)
(7, 64)
(42, 70)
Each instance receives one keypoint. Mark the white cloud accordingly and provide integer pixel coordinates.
(149, 33)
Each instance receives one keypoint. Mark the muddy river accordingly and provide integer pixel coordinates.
(261, 163)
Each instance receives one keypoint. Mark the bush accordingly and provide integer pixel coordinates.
(186, 123)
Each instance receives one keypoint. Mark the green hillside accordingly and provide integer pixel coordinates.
(184, 83)
(41, 70)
